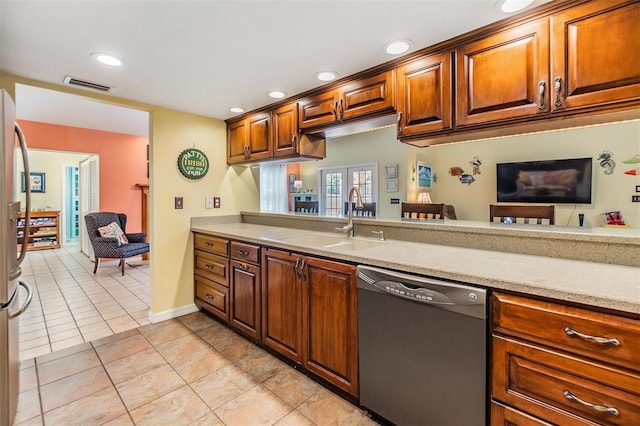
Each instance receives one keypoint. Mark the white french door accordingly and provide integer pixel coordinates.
(89, 197)
(335, 184)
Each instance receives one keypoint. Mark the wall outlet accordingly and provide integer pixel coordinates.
(177, 202)
(216, 202)
(208, 202)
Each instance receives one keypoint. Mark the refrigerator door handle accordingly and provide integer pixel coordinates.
(26, 303)
(27, 189)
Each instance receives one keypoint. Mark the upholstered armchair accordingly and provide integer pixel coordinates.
(113, 247)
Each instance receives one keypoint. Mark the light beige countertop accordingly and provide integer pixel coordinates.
(602, 285)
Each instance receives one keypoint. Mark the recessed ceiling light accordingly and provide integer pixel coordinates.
(107, 59)
(276, 94)
(510, 6)
(236, 109)
(326, 75)
(398, 47)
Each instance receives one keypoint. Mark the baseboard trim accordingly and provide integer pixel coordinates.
(155, 317)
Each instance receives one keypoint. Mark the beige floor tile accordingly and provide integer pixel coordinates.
(66, 343)
(34, 327)
(223, 385)
(326, 408)
(292, 386)
(122, 348)
(261, 365)
(200, 364)
(115, 338)
(197, 321)
(294, 418)
(71, 388)
(56, 337)
(63, 353)
(58, 315)
(27, 364)
(95, 335)
(93, 409)
(28, 406)
(35, 421)
(25, 336)
(216, 334)
(123, 420)
(209, 419)
(29, 344)
(165, 334)
(236, 347)
(151, 385)
(67, 366)
(62, 327)
(182, 347)
(134, 365)
(34, 352)
(28, 379)
(98, 326)
(180, 407)
(243, 409)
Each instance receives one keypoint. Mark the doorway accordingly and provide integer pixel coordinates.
(70, 205)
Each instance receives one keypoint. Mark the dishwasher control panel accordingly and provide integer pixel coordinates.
(419, 294)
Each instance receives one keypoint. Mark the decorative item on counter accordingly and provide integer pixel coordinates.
(467, 178)
(475, 163)
(606, 162)
(424, 176)
(613, 218)
(297, 186)
(633, 172)
(633, 160)
(456, 171)
(424, 198)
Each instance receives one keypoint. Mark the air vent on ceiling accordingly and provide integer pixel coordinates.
(89, 85)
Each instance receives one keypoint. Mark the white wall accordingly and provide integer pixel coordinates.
(610, 192)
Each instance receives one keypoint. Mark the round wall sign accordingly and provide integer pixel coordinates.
(193, 164)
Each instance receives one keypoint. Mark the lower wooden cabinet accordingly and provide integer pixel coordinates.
(502, 415)
(245, 298)
(310, 315)
(213, 297)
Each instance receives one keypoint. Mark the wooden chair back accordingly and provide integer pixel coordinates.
(306, 206)
(430, 211)
(522, 214)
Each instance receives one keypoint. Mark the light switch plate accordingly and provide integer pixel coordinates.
(208, 202)
(178, 202)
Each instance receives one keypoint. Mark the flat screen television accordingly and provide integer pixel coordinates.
(552, 181)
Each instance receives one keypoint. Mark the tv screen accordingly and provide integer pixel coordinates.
(553, 181)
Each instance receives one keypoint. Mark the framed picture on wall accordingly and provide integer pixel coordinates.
(424, 176)
(391, 185)
(36, 182)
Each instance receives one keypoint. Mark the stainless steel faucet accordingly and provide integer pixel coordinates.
(349, 226)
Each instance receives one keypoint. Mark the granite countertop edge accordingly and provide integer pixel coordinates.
(607, 286)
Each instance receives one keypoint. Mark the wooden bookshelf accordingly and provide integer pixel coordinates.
(44, 230)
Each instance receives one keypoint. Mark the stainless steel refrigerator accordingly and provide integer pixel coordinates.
(11, 305)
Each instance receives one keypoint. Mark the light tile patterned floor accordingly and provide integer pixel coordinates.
(71, 305)
(187, 371)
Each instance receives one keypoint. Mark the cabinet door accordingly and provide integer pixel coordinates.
(330, 322)
(504, 76)
(285, 130)
(424, 95)
(245, 298)
(367, 96)
(318, 110)
(237, 142)
(502, 415)
(259, 130)
(595, 53)
(281, 304)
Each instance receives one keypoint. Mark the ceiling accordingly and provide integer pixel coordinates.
(204, 57)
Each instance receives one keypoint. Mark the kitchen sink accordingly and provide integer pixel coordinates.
(330, 241)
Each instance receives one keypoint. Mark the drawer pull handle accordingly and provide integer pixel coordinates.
(208, 244)
(208, 296)
(209, 267)
(603, 408)
(243, 253)
(571, 332)
(541, 88)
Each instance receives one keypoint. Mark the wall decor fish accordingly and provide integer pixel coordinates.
(475, 163)
(467, 178)
(456, 171)
(606, 162)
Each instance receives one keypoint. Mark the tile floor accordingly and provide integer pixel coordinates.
(90, 357)
(71, 305)
(188, 371)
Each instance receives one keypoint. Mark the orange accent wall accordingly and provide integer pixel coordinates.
(123, 162)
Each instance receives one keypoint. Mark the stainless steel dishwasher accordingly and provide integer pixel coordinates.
(422, 346)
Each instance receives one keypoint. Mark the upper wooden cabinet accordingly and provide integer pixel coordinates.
(285, 130)
(595, 57)
(425, 96)
(249, 139)
(357, 99)
(504, 76)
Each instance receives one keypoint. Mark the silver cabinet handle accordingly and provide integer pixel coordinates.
(302, 275)
(296, 268)
(26, 303)
(541, 87)
(335, 110)
(596, 407)
(604, 340)
(341, 110)
(558, 81)
(399, 124)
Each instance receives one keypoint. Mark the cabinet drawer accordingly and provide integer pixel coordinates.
(556, 325)
(211, 244)
(215, 268)
(214, 296)
(245, 252)
(547, 384)
(502, 415)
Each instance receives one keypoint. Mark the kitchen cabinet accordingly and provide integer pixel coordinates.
(249, 139)
(44, 230)
(310, 315)
(288, 142)
(504, 76)
(425, 96)
(595, 58)
(211, 274)
(245, 289)
(360, 98)
(564, 365)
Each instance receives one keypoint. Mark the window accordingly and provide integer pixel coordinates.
(335, 183)
(273, 188)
